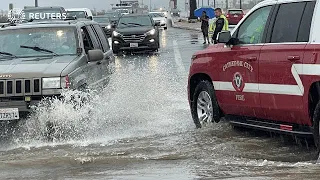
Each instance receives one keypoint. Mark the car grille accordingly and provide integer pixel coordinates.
(20, 87)
(134, 38)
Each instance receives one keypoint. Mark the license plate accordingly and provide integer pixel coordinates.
(134, 45)
(9, 114)
(235, 16)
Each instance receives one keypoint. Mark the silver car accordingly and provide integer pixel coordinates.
(41, 59)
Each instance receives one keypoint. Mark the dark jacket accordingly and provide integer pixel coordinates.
(219, 24)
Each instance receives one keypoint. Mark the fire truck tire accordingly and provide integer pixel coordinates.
(209, 108)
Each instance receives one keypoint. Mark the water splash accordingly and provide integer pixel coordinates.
(141, 99)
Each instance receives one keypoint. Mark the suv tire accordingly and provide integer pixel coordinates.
(316, 126)
(115, 51)
(209, 109)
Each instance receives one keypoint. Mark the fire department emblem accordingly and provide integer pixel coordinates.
(238, 82)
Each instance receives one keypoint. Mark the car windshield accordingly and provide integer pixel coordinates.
(157, 15)
(134, 21)
(61, 41)
(78, 14)
(237, 12)
(101, 19)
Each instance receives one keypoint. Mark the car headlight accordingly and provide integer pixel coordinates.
(108, 27)
(151, 32)
(115, 33)
(51, 83)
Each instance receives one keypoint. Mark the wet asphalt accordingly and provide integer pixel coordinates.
(140, 127)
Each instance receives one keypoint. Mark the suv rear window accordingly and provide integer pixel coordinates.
(233, 12)
(287, 23)
(78, 14)
(157, 15)
(305, 25)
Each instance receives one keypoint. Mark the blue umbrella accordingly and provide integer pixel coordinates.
(209, 10)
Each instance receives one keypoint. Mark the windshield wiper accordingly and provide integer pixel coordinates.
(136, 24)
(38, 49)
(8, 54)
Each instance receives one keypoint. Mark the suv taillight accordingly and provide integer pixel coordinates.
(228, 15)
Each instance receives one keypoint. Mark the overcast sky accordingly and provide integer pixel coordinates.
(98, 4)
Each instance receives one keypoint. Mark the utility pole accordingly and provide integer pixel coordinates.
(150, 6)
(35, 3)
(202, 3)
(193, 6)
(227, 4)
(240, 4)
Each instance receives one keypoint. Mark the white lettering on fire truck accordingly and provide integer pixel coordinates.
(240, 97)
(237, 64)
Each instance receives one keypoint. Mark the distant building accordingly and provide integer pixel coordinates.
(10, 6)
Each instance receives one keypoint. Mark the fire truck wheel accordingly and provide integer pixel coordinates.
(204, 107)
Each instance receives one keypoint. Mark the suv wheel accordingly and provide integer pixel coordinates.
(115, 51)
(204, 108)
(316, 126)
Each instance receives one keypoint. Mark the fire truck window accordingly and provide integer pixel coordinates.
(304, 30)
(252, 29)
(286, 26)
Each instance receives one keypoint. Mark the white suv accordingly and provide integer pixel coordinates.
(159, 17)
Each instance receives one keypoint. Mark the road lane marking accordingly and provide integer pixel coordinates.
(177, 57)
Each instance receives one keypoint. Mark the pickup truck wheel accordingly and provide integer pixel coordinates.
(204, 108)
(316, 126)
(165, 28)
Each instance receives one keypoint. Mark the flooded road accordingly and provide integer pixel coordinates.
(140, 127)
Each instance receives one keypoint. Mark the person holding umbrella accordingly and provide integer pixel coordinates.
(205, 27)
